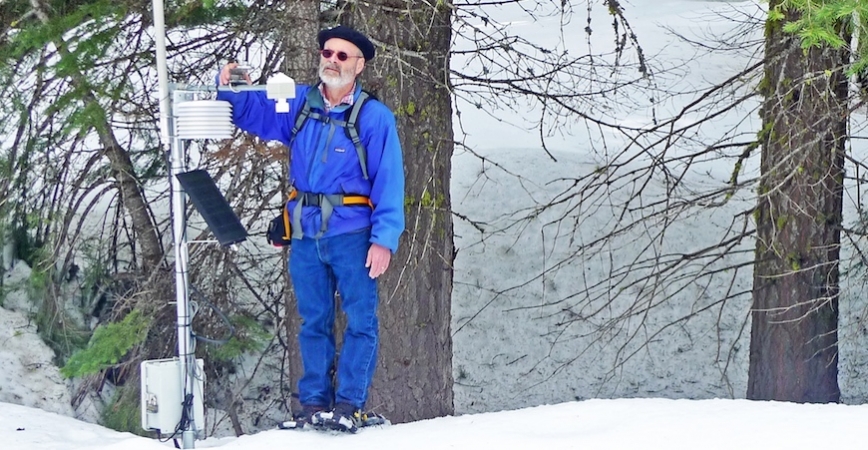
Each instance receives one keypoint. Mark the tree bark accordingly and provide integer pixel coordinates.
(410, 75)
(302, 24)
(793, 347)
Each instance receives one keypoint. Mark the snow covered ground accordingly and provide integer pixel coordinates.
(647, 424)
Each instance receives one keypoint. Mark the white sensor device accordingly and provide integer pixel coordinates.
(280, 87)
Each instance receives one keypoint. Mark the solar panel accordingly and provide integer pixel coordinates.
(213, 207)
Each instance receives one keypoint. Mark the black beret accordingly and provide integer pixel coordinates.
(348, 34)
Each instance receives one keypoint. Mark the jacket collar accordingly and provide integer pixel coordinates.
(316, 100)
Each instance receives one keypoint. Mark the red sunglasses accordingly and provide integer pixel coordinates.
(342, 56)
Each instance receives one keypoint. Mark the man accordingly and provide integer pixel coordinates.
(335, 246)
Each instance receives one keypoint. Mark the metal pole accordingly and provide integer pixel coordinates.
(186, 354)
(162, 71)
(176, 165)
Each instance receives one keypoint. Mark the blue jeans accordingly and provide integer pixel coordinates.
(319, 268)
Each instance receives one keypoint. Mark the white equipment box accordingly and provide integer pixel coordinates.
(161, 395)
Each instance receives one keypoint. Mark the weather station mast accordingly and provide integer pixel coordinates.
(173, 389)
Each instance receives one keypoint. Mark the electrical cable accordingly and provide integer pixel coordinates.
(220, 313)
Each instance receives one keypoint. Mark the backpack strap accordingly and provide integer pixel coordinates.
(353, 131)
(327, 202)
(299, 121)
(351, 117)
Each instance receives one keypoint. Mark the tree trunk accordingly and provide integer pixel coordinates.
(793, 347)
(301, 25)
(410, 75)
(301, 22)
(132, 196)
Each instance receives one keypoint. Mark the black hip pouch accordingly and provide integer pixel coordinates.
(279, 232)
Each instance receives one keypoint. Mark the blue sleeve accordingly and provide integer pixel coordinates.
(386, 169)
(254, 113)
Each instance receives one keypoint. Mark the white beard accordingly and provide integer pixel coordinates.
(335, 81)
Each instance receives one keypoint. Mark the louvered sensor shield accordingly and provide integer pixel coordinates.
(209, 201)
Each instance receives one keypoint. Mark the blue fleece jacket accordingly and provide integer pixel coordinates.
(323, 160)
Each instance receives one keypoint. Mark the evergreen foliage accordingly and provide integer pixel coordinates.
(108, 345)
(828, 22)
(249, 337)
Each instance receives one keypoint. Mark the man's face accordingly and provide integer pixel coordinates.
(335, 73)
